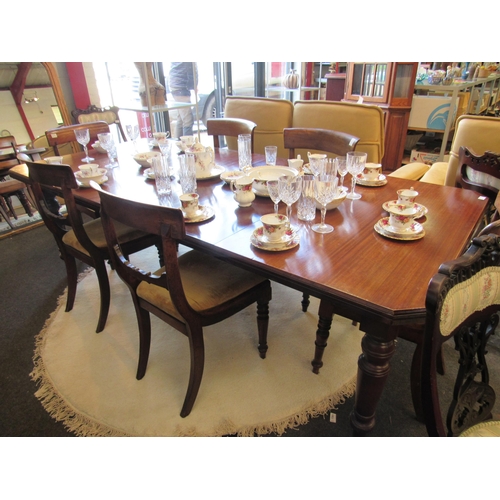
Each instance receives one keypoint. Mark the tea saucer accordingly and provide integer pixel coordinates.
(148, 173)
(100, 181)
(202, 214)
(227, 177)
(414, 232)
(214, 172)
(420, 213)
(381, 181)
(287, 242)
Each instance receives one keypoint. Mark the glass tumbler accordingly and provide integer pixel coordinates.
(187, 173)
(306, 207)
(162, 175)
(271, 155)
(245, 152)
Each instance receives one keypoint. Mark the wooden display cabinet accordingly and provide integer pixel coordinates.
(389, 85)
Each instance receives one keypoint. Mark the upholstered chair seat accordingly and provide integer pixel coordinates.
(96, 235)
(208, 282)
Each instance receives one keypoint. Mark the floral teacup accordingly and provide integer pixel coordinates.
(407, 196)
(275, 226)
(372, 171)
(401, 216)
(189, 203)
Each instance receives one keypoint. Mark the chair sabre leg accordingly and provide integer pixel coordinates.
(102, 277)
(144, 323)
(197, 349)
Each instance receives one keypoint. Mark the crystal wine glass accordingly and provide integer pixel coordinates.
(83, 137)
(133, 133)
(107, 142)
(274, 194)
(325, 190)
(289, 189)
(356, 162)
(342, 170)
(317, 163)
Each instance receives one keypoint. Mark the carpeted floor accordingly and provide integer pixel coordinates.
(32, 277)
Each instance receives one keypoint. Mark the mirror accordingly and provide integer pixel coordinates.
(31, 100)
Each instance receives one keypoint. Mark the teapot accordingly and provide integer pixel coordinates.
(242, 189)
(204, 158)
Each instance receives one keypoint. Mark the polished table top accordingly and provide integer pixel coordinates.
(379, 282)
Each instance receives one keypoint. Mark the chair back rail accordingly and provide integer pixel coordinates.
(230, 127)
(331, 141)
(66, 134)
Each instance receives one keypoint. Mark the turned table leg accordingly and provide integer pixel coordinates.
(373, 370)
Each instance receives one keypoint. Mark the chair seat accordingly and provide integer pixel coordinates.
(96, 234)
(208, 282)
(483, 429)
(11, 186)
(412, 171)
(436, 174)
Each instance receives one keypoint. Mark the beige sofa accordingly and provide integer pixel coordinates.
(270, 115)
(361, 120)
(274, 115)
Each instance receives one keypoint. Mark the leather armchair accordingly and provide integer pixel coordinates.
(478, 133)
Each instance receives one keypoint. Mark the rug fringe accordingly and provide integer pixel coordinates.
(227, 428)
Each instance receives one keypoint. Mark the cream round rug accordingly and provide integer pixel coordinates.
(87, 380)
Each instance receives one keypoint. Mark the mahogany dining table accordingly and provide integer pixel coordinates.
(379, 282)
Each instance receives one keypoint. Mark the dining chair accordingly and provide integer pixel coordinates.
(315, 139)
(462, 303)
(190, 292)
(77, 238)
(94, 114)
(480, 173)
(229, 127)
(66, 134)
